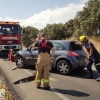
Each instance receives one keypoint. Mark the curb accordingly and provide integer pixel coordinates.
(10, 86)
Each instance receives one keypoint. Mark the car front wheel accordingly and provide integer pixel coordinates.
(20, 62)
(64, 67)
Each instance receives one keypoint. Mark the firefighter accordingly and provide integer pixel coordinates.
(43, 65)
(94, 56)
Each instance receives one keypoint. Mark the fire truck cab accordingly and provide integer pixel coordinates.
(10, 36)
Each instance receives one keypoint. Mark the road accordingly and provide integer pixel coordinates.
(73, 87)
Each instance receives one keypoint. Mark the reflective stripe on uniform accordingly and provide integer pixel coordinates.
(98, 64)
(46, 80)
(38, 80)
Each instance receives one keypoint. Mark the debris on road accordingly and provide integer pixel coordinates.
(15, 67)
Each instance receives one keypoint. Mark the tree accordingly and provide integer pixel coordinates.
(70, 27)
(56, 31)
(29, 35)
(87, 21)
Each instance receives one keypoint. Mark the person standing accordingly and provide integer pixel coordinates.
(43, 65)
(94, 56)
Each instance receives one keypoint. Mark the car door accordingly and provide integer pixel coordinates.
(32, 56)
(60, 50)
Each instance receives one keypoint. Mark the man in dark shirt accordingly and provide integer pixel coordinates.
(94, 56)
(43, 65)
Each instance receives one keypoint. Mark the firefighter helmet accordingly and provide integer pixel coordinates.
(83, 38)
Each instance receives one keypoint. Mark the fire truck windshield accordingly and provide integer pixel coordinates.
(9, 29)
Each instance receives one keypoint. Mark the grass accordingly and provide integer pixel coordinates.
(96, 41)
(3, 85)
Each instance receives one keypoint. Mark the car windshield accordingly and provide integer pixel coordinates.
(9, 29)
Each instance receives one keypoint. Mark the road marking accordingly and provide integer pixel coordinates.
(52, 89)
(52, 79)
(27, 72)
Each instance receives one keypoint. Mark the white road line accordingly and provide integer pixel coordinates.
(52, 89)
(52, 79)
(27, 72)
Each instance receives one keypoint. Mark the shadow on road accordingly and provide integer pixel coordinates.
(24, 80)
(3, 56)
(73, 93)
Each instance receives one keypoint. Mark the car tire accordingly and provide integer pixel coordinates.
(20, 62)
(64, 67)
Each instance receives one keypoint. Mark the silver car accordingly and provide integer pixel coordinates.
(68, 56)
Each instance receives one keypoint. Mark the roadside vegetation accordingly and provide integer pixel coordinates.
(5, 93)
(86, 22)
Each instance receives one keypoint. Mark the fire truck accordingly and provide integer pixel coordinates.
(10, 36)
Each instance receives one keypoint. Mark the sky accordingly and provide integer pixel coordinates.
(39, 13)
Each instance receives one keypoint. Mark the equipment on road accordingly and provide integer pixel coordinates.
(11, 55)
(10, 36)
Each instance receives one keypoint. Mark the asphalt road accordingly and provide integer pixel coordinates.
(73, 87)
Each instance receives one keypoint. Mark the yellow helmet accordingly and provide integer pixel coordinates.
(83, 38)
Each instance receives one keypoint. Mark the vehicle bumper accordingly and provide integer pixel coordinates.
(7, 47)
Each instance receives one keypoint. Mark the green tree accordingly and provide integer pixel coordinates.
(29, 35)
(70, 28)
(56, 31)
(87, 21)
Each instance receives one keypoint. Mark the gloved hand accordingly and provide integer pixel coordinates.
(52, 59)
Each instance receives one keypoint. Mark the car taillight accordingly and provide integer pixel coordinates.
(71, 53)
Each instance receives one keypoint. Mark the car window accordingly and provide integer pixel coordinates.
(74, 46)
(58, 46)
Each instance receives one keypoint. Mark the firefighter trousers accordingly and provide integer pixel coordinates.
(89, 66)
(43, 67)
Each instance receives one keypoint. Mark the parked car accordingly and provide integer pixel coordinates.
(68, 56)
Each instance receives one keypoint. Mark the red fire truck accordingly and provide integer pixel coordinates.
(10, 36)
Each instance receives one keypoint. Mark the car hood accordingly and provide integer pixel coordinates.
(22, 51)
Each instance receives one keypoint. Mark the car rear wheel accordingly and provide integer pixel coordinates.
(20, 62)
(64, 67)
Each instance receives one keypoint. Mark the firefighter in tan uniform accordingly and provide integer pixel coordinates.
(43, 65)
